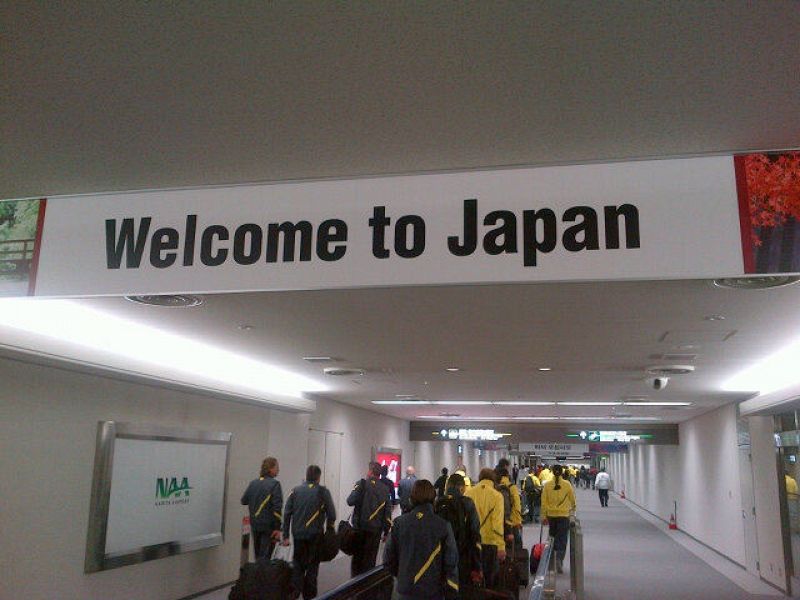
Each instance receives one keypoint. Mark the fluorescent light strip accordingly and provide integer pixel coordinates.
(588, 419)
(775, 372)
(401, 402)
(443, 418)
(523, 403)
(589, 403)
(658, 403)
(410, 400)
(460, 403)
(80, 325)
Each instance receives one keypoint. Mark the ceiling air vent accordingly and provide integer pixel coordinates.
(669, 370)
(756, 283)
(674, 358)
(168, 300)
(343, 372)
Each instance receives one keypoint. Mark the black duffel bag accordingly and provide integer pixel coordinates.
(328, 545)
(347, 537)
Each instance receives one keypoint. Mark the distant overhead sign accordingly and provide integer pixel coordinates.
(608, 436)
(555, 449)
(469, 435)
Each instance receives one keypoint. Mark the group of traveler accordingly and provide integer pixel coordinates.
(450, 534)
(308, 508)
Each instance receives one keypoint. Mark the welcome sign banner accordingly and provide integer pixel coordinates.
(692, 218)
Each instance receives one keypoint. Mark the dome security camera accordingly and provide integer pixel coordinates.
(659, 383)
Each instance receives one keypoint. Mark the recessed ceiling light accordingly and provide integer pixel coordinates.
(167, 300)
(545, 368)
(670, 370)
(318, 359)
(523, 403)
(343, 372)
(452, 369)
(715, 318)
(658, 403)
(589, 403)
(245, 327)
(757, 283)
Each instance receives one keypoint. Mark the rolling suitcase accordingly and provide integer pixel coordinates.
(478, 593)
(508, 577)
(536, 553)
(522, 561)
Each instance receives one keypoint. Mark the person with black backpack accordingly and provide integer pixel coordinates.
(458, 510)
(308, 508)
(421, 550)
(532, 488)
(372, 515)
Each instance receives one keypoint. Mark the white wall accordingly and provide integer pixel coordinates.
(48, 421)
(363, 430)
(701, 474)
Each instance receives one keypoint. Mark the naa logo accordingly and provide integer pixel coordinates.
(169, 491)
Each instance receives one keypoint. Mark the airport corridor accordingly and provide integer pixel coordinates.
(626, 557)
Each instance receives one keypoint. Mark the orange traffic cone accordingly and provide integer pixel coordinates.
(672, 523)
(622, 494)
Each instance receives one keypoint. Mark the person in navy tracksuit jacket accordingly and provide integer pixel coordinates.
(421, 551)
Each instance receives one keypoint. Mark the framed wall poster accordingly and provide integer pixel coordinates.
(392, 457)
(156, 492)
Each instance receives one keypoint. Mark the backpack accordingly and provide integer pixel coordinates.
(370, 509)
(452, 511)
(506, 493)
(531, 488)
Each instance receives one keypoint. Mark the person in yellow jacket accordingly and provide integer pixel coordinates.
(489, 504)
(545, 474)
(461, 470)
(514, 524)
(791, 488)
(558, 502)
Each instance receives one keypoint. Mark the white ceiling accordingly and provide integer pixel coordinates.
(110, 96)
(113, 96)
(597, 337)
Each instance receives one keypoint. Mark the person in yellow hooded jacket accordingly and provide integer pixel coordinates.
(489, 504)
(558, 502)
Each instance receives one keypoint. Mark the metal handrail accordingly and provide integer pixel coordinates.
(576, 558)
(540, 590)
(375, 584)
